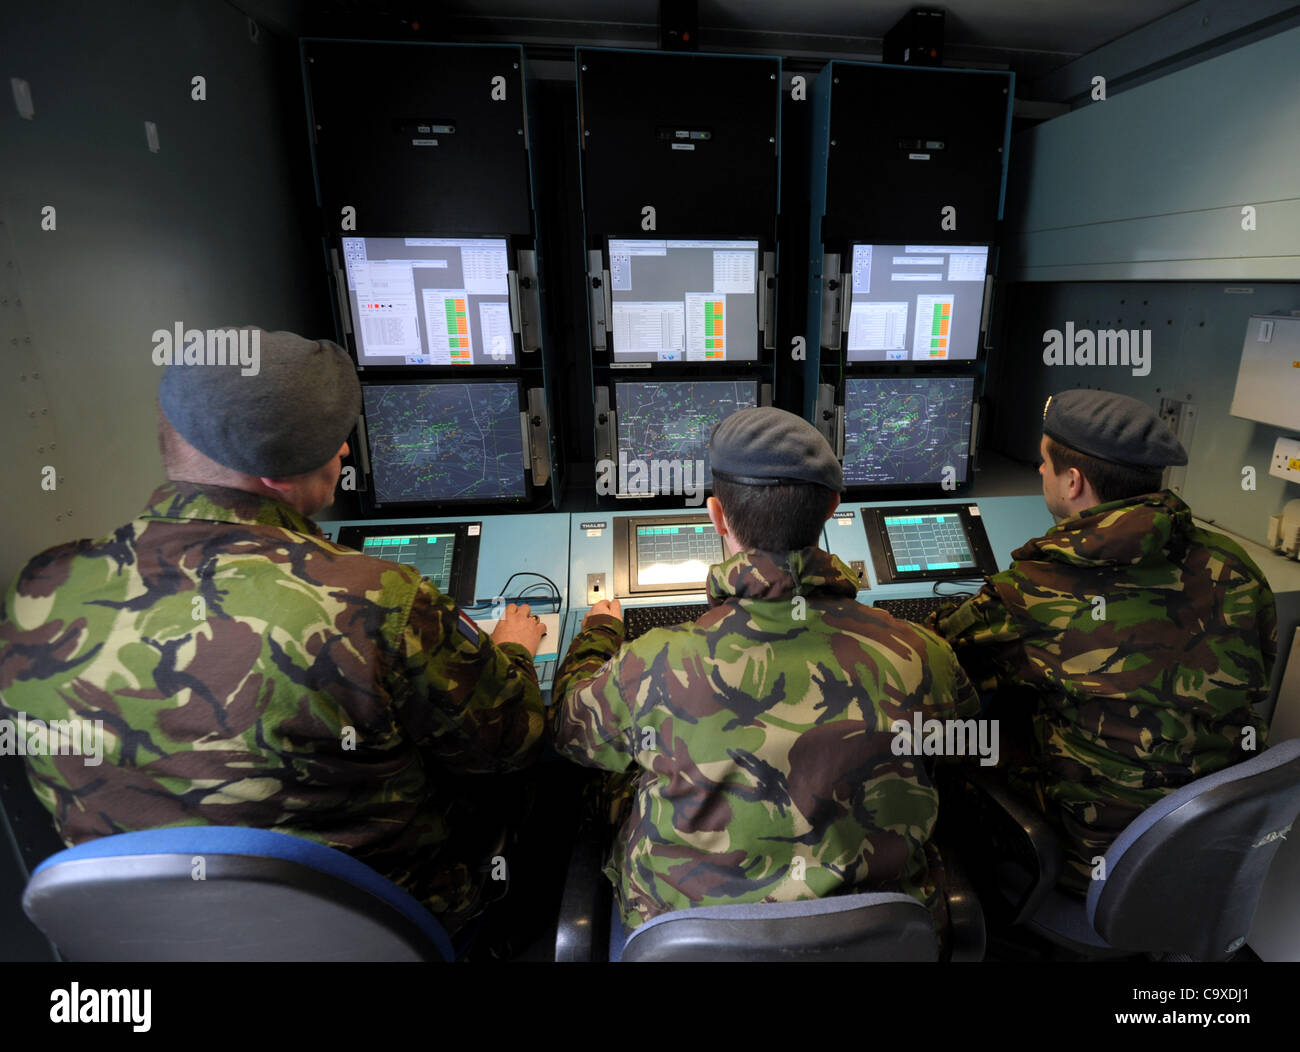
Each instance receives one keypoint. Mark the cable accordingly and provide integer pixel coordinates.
(956, 595)
(531, 573)
(556, 598)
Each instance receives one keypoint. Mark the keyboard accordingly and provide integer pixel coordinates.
(914, 609)
(638, 620)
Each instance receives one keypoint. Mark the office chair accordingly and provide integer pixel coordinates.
(1183, 879)
(875, 926)
(225, 893)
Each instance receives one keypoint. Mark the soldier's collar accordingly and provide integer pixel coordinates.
(780, 575)
(1119, 533)
(196, 501)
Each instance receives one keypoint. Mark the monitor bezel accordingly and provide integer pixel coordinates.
(522, 501)
(617, 362)
(626, 582)
(928, 363)
(882, 553)
(904, 488)
(616, 381)
(352, 338)
(464, 569)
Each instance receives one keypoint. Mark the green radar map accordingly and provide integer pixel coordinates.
(901, 431)
(440, 442)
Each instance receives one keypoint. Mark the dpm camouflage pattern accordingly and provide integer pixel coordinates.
(1134, 699)
(238, 717)
(762, 743)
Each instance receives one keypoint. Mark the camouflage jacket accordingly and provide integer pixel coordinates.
(764, 742)
(248, 672)
(1140, 643)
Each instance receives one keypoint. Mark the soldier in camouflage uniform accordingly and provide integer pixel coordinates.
(1130, 645)
(249, 672)
(760, 736)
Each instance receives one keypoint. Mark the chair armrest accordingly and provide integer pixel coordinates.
(1010, 850)
(967, 936)
(582, 930)
(1027, 848)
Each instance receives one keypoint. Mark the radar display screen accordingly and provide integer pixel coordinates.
(664, 429)
(445, 442)
(675, 553)
(931, 542)
(925, 543)
(905, 431)
(433, 554)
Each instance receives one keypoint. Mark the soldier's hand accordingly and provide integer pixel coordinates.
(519, 625)
(606, 606)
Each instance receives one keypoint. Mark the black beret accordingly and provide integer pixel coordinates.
(767, 446)
(1112, 427)
(285, 414)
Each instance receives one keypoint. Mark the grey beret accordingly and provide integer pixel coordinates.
(1112, 427)
(285, 414)
(767, 446)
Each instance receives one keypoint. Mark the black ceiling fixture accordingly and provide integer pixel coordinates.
(916, 39)
(679, 24)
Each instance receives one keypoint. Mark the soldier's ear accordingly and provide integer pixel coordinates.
(716, 516)
(835, 503)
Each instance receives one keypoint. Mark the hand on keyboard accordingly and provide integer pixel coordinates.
(612, 607)
(519, 625)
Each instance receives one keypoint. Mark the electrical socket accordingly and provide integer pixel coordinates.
(1286, 459)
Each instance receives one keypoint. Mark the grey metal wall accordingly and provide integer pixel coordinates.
(1149, 184)
(1197, 331)
(208, 231)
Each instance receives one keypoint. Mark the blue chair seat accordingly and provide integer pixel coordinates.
(225, 893)
(1185, 876)
(874, 926)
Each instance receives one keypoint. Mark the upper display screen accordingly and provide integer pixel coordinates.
(684, 301)
(430, 300)
(919, 303)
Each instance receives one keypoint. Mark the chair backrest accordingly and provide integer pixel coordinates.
(223, 893)
(881, 926)
(1186, 874)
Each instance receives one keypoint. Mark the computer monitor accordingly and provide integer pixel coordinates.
(664, 554)
(683, 301)
(907, 430)
(664, 428)
(429, 300)
(932, 542)
(445, 553)
(445, 443)
(919, 303)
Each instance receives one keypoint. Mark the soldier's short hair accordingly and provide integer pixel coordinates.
(1110, 481)
(775, 518)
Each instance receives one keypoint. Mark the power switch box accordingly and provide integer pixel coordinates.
(859, 567)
